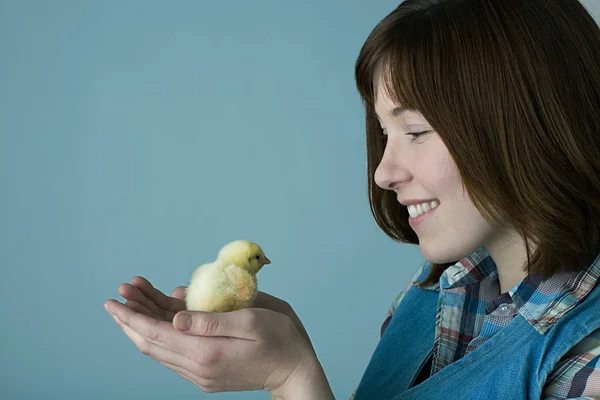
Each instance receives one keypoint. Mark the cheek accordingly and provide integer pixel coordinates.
(438, 174)
(459, 228)
(458, 231)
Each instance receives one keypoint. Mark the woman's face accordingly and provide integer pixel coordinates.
(422, 169)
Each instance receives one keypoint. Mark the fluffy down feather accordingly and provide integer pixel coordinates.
(229, 283)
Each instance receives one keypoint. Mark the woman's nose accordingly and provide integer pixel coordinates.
(383, 177)
(389, 172)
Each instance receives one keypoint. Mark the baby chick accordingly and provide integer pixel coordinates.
(229, 283)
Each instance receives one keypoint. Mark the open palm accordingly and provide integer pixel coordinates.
(144, 298)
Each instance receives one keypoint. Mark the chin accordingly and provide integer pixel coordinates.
(444, 254)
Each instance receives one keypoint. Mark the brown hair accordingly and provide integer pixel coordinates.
(512, 88)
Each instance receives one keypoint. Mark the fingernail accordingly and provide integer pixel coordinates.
(109, 309)
(183, 322)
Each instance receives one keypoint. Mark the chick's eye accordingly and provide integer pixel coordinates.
(257, 257)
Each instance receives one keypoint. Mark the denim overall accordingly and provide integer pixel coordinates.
(513, 364)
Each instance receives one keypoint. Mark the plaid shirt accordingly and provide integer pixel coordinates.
(471, 286)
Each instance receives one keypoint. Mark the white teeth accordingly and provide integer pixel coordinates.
(419, 209)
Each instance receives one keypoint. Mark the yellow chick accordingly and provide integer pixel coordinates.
(229, 283)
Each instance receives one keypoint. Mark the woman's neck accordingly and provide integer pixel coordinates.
(509, 255)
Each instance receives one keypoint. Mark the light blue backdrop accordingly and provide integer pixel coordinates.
(138, 137)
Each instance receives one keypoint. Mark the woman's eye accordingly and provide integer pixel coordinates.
(416, 134)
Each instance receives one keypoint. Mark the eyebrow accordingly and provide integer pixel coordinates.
(395, 112)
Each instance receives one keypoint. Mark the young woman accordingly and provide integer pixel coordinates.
(483, 136)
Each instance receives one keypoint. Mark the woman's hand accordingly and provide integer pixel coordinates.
(146, 299)
(248, 349)
(265, 300)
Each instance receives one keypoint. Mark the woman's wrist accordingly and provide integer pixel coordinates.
(307, 382)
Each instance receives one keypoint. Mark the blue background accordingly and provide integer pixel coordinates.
(138, 137)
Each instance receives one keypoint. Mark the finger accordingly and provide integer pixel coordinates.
(184, 373)
(135, 338)
(159, 298)
(241, 324)
(155, 352)
(179, 293)
(143, 345)
(131, 292)
(134, 305)
(265, 300)
(117, 320)
(152, 330)
(207, 385)
(150, 337)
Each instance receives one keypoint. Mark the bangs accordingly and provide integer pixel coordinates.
(403, 60)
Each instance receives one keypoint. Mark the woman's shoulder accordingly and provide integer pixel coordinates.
(420, 274)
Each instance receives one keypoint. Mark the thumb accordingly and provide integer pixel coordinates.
(239, 324)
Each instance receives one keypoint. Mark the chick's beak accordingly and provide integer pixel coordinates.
(267, 261)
